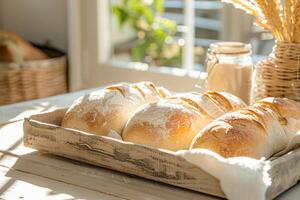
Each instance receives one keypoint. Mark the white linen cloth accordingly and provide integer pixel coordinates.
(240, 177)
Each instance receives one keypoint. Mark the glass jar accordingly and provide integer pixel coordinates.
(229, 69)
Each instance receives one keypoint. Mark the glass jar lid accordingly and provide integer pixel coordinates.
(230, 48)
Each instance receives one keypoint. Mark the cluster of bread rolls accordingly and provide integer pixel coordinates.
(172, 123)
(148, 115)
(260, 130)
(107, 111)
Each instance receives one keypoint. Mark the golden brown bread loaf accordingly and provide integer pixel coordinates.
(260, 130)
(172, 123)
(13, 48)
(108, 110)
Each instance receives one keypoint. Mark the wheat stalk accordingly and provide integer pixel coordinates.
(249, 7)
(244, 5)
(282, 20)
(286, 19)
(296, 21)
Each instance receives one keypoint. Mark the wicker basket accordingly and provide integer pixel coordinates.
(279, 75)
(33, 79)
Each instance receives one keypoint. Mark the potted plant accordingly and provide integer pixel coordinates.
(155, 42)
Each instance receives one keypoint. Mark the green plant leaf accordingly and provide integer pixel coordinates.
(120, 14)
(147, 13)
(147, 18)
(159, 6)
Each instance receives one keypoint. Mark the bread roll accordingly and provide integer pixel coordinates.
(108, 110)
(13, 48)
(172, 123)
(260, 130)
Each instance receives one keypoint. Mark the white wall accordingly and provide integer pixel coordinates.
(37, 20)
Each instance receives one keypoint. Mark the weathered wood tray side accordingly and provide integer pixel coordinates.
(284, 172)
(43, 132)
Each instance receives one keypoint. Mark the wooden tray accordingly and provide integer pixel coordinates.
(43, 132)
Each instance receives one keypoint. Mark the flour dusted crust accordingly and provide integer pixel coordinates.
(172, 123)
(260, 130)
(108, 110)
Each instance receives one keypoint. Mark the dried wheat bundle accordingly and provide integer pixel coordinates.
(281, 19)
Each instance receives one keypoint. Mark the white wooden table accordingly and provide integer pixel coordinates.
(28, 174)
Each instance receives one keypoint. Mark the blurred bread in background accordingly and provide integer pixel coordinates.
(14, 48)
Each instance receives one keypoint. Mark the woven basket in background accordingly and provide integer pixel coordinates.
(279, 75)
(33, 79)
